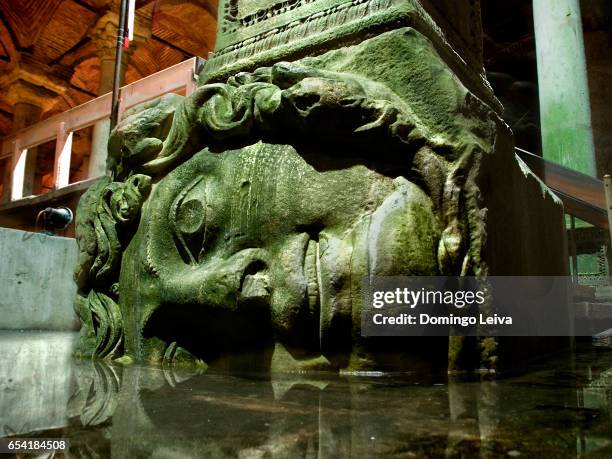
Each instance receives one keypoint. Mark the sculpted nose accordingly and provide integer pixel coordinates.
(256, 287)
(254, 278)
(224, 283)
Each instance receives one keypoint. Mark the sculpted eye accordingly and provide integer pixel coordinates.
(190, 217)
(190, 225)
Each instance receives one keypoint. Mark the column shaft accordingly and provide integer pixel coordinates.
(565, 111)
(101, 131)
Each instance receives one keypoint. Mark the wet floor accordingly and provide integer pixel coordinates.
(561, 408)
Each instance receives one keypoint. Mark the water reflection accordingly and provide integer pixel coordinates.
(561, 411)
(559, 408)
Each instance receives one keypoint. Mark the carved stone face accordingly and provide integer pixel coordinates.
(272, 196)
(261, 246)
(242, 218)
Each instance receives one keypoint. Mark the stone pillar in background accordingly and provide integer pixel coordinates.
(32, 88)
(25, 113)
(6, 182)
(29, 101)
(104, 35)
(565, 110)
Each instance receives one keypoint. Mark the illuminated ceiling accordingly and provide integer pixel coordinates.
(49, 43)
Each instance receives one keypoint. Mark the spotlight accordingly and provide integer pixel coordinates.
(54, 218)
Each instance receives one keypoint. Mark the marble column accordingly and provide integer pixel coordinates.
(26, 114)
(32, 88)
(104, 34)
(565, 110)
(29, 102)
(105, 37)
(6, 180)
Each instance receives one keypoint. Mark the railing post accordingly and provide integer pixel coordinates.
(608, 187)
(19, 167)
(192, 83)
(63, 153)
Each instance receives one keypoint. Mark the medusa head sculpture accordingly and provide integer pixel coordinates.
(235, 225)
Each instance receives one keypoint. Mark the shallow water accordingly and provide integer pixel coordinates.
(561, 408)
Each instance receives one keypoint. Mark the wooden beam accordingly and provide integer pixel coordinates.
(178, 78)
(76, 118)
(593, 215)
(143, 3)
(171, 45)
(85, 5)
(84, 91)
(582, 195)
(50, 197)
(159, 83)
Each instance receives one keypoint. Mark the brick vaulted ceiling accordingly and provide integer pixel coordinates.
(52, 38)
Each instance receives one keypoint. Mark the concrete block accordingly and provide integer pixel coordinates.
(37, 289)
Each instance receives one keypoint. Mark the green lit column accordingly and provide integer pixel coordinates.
(565, 111)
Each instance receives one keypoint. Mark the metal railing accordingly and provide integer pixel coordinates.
(181, 77)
